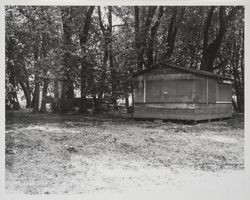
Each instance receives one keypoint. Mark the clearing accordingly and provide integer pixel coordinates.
(73, 154)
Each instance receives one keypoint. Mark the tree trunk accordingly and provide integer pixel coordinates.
(238, 86)
(55, 104)
(242, 71)
(151, 39)
(26, 94)
(241, 101)
(207, 26)
(238, 90)
(106, 54)
(172, 32)
(240, 98)
(141, 33)
(67, 82)
(133, 99)
(111, 61)
(12, 72)
(83, 104)
(44, 95)
(29, 91)
(210, 50)
(84, 65)
(36, 96)
(97, 104)
(234, 105)
(137, 38)
(126, 101)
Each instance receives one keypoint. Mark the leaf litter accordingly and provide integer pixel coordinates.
(57, 154)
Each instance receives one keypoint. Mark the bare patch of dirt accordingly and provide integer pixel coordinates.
(59, 154)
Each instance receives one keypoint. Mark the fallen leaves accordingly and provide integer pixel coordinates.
(44, 153)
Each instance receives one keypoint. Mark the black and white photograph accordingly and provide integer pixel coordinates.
(125, 101)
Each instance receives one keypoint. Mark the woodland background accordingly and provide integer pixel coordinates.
(54, 51)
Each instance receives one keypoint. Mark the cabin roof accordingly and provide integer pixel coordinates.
(194, 71)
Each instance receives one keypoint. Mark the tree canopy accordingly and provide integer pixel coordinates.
(59, 50)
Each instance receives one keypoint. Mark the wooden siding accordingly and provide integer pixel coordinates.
(182, 111)
(215, 108)
(164, 111)
(166, 105)
(170, 91)
(213, 111)
(206, 93)
(173, 94)
(212, 98)
(224, 93)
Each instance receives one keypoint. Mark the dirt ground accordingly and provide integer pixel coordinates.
(73, 154)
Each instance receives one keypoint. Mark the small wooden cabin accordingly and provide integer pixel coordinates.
(167, 91)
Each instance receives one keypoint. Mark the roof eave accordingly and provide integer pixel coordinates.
(197, 72)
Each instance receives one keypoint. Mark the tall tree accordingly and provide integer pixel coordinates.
(210, 50)
(103, 76)
(46, 45)
(11, 71)
(111, 61)
(36, 95)
(16, 35)
(142, 26)
(59, 50)
(152, 37)
(83, 35)
(67, 87)
(233, 51)
(172, 30)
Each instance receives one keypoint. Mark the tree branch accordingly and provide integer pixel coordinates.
(100, 20)
(84, 35)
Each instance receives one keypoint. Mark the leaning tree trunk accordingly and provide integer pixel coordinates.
(26, 94)
(23, 80)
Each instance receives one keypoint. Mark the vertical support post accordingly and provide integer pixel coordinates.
(144, 90)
